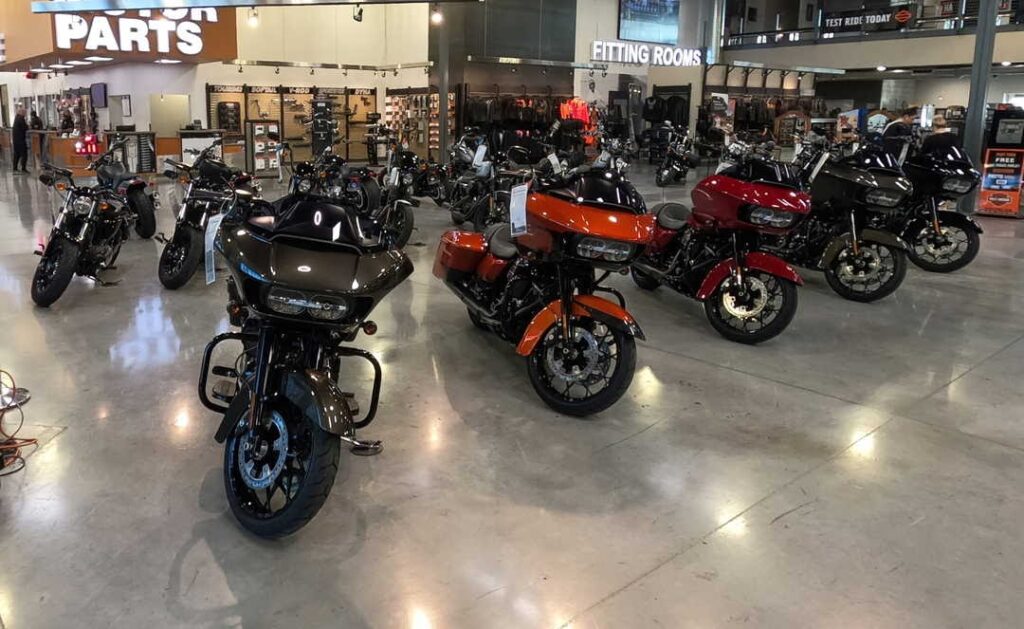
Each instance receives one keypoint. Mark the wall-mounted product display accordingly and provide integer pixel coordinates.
(298, 116)
(261, 147)
(415, 114)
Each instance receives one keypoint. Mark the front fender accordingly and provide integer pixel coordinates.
(757, 260)
(866, 235)
(312, 392)
(963, 221)
(597, 308)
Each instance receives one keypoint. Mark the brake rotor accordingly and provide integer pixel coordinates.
(261, 459)
(755, 302)
(859, 266)
(574, 361)
(938, 245)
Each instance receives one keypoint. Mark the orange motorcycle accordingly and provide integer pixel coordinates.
(541, 289)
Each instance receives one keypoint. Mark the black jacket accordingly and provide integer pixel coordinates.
(940, 142)
(20, 132)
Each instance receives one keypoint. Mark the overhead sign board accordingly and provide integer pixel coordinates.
(888, 18)
(640, 54)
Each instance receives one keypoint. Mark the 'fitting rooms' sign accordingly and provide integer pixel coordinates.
(645, 54)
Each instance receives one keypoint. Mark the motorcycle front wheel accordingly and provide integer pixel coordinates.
(55, 271)
(401, 222)
(181, 257)
(142, 205)
(661, 178)
(952, 250)
(586, 374)
(759, 310)
(278, 476)
(872, 274)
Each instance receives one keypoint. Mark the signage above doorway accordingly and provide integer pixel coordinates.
(631, 53)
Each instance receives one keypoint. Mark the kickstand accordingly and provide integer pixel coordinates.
(161, 238)
(363, 448)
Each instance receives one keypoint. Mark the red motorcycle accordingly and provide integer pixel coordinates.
(538, 289)
(711, 253)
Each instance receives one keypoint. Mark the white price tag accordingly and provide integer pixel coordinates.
(393, 177)
(212, 226)
(517, 209)
(555, 164)
(481, 153)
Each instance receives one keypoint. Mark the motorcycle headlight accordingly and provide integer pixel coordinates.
(294, 303)
(407, 179)
(305, 185)
(883, 198)
(771, 218)
(81, 205)
(599, 249)
(957, 185)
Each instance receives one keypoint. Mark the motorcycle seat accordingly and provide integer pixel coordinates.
(500, 242)
(671, 215)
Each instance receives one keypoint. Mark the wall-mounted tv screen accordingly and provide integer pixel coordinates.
(98, 94)
(655, 21)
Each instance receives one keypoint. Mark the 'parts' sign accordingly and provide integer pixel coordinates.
(645, 54)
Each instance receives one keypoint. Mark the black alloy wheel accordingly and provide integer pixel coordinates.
(951, 249)
(586, 374)
(278, 476)
(876, 271)
(181, 257)
(145, 213)
(758, 310)
(55, 270)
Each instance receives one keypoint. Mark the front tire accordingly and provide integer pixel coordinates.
(181, 257)
(661, 177)
(760, 312)
(145, 213)
(401, 222)
(597, 355)
(876, 273)
(55, 271)
(956, 248)
(303, 479)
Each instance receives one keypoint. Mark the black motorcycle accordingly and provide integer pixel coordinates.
(304, 279)
(127, 189)
(209, 184)
(851, 196)
(679, 159)
(86, 238)
(941, 241)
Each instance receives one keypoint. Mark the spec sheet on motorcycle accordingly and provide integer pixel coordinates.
(517, 209)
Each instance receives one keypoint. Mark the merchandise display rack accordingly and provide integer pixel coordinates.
(415, 113)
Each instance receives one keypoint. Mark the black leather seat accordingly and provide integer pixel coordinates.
(671, 215)
(500, 242)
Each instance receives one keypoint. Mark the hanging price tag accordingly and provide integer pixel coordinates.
(481, 154)
(211, 234)
(555, 164)
(517, 209)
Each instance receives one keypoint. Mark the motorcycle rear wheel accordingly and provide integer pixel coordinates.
(772, 310)
(612, 357)
(851, 285)
(142, 205)
(309, 463)
(55, 271)
(181, 257)
(965, 241)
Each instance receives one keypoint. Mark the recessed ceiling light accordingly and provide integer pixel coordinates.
(39, 70)
(99, 58)
(881, 68)
(79, 63)
(167, 61)
(1005, 63)
(60, 66)
(899, 71)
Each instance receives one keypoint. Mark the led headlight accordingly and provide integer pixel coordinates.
(286, 302)
(327, 308)
(771, 218)
(305, 185)
(293, 303)
(883, 198)
(598, 249)
(81, 205)
(957, 185)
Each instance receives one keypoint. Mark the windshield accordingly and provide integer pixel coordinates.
(873, 157)
(765, 171)
(603, 188)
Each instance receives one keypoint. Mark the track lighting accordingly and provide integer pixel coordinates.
(396, 72)
(311, 71)
(254, 17)
(604, 73)
(239, 69)
(436, 17)
(277, 70)
(344, 73)
(514, 69)
(357, 13)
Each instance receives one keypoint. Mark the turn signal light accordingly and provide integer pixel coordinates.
(369, 328)
(61, 186)
(104, 207)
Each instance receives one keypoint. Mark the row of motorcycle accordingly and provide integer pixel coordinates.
(306, 272)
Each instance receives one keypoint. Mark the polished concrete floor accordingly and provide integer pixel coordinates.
(865, 469)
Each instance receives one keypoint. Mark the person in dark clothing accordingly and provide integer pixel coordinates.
(19, 143)
(942, 139)
(896, 132)
(35, 122)
(67, 123)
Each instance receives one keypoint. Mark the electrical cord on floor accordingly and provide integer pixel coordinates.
(11, 459)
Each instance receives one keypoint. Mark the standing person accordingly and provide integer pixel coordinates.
(20, 141)
(896, 131)
(941, 139)
(35, 122)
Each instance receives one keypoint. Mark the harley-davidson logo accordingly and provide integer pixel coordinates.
(999, 198)
(903, 16)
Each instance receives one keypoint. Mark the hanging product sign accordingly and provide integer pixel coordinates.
(888, 18)
(1001, 182)
(196, 35)
(645, 54)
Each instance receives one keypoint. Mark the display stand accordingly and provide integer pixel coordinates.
(1002, 173)
(139, 154)
(194, 142)
(261, 150)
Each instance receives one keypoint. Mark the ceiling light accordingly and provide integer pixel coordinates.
(99, 58)
(277, 70)
(79, 63)
(254, 17)
(39, 70)
(357, 13)
(168, 61)
(1005, 63)
(881, 68)
(899, 71)
(60, 66)
(436, 17)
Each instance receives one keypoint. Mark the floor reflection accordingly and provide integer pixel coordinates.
(150, 340)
